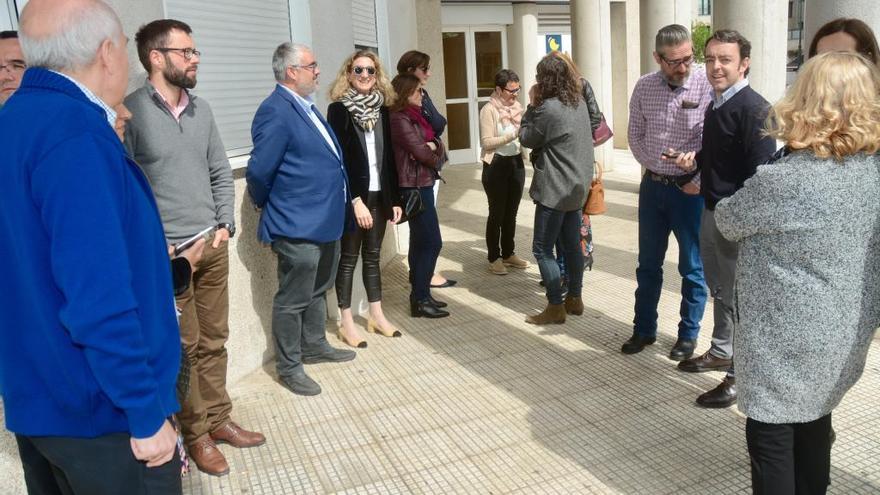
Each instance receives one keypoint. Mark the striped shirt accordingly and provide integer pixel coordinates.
(108, 111)
(661, 117)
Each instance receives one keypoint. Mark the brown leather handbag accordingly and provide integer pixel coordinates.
(596, 198)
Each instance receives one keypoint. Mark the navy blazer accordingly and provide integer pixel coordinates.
(294, 175)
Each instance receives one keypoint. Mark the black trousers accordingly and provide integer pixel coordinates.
(790, 459)
(369, 244)
(503, 181)
(92, 466)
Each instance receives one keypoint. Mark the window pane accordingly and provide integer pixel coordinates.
(488, 59)
(455, 62)
(459, 126)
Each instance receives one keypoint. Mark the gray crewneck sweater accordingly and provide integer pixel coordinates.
(184, 161)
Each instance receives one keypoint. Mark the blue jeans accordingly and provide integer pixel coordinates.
(551, 225)
(424, 246)
(663, 209)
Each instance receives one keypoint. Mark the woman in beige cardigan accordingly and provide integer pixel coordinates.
(503, 170)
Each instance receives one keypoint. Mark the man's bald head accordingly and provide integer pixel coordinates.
(64, 35)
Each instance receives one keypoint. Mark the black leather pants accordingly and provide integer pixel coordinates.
(369, 244)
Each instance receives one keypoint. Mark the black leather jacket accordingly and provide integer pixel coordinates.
(592, 105)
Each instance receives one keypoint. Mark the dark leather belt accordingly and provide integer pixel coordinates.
(669, 180)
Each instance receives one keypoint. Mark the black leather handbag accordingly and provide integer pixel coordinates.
(412, 201)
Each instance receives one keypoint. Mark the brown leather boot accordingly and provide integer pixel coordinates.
(208, 458)
(554, 313)
(237, 436)
(574, 305)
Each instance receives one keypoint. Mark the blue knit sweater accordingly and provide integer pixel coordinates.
(89, 343)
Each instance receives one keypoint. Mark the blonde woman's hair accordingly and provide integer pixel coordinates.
(341, 85)
(833, 108)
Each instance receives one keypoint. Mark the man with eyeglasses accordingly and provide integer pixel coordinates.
(296, 176)
(12, 64)
(173, 137)
(666, 117)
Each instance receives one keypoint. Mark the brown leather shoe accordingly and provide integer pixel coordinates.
(705, 362)
(724, 395)
(208, 457)
(554, 313)
(237, 436)
(574, 305)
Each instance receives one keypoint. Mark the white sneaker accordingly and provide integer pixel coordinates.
(497, 267)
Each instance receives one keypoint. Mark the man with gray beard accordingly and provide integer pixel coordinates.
(173, 137)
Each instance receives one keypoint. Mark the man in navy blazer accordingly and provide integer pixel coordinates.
(296, 176)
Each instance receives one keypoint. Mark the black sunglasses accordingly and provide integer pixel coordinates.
(358, 70)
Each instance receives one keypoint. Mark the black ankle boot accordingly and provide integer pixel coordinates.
(439, 304)
(425, 308)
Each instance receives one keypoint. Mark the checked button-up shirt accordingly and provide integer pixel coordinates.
(661, 117)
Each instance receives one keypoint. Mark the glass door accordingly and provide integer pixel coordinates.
(471, 57)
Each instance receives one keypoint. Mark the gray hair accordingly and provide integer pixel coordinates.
(285, 55)
(671, 35)
(74, 43)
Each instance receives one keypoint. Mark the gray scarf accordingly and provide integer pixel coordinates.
(363, 108)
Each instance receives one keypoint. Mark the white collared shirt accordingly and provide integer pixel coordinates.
(308, 105)
(728, 93)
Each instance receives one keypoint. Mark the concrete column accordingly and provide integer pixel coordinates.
(589, 47)
(653, 15)
(522, 51)
(765, 24)
(430, 41)
(818, 12)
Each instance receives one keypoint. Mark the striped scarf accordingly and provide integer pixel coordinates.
(363, 108)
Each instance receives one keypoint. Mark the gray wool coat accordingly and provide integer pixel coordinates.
(562, 141)
(808, 282)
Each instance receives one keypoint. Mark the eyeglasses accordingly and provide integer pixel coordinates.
(425, 68)
(310, 67)
(512, 91)
(14, 67)
(188, 53)
(358, 70)
(674, 64)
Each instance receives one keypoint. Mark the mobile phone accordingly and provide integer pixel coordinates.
(183, 246)
(670, 154)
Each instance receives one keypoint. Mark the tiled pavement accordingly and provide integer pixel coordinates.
(482, 403)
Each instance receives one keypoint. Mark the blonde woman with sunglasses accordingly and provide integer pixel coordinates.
(359, 117)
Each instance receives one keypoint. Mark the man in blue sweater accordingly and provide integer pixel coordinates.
(89, 345)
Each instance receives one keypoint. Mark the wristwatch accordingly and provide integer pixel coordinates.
(227, 226)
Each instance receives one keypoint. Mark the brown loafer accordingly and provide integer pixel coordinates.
(705, 362)
(208, 457)
(237, 436)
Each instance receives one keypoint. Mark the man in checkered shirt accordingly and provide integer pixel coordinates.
(666, 115)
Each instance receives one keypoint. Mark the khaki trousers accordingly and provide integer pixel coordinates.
(204, 329)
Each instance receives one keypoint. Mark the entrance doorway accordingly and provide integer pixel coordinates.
(471, 58)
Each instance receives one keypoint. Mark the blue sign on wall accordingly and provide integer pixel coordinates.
(553, 43)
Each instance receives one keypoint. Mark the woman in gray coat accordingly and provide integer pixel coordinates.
(556, 126)
(808, 277)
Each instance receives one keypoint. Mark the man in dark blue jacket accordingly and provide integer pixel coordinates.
(89, 345)
(295, 174)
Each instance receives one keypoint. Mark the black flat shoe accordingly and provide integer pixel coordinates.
(439, 304)
(424, 308)
(449, 283)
